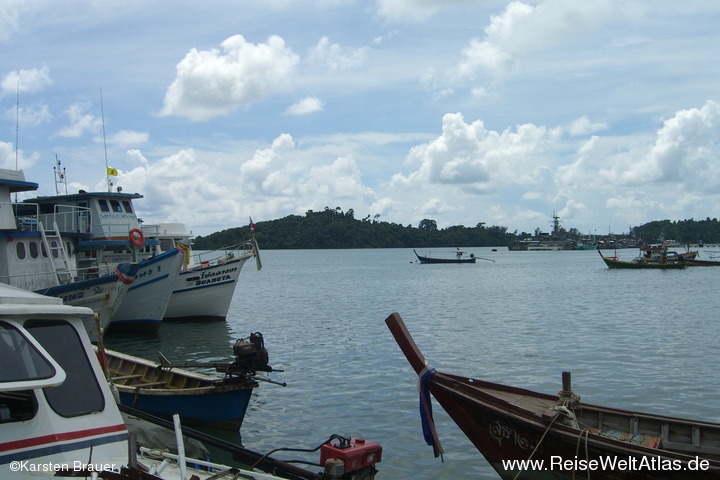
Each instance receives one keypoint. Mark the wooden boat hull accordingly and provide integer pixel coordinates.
(691, 262)
(612, 262)
(423, 259)
(509, 424)
(198, 398)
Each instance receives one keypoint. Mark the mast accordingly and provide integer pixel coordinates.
(107, 170)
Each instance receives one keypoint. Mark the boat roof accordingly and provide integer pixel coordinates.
(83, 195)
(16, 301)
(15, 181)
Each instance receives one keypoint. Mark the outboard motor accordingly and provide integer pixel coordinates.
(250, 357)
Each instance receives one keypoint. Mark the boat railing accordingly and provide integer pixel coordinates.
(222, 255)
(68, 218)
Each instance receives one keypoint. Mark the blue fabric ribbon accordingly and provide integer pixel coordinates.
(426, 416)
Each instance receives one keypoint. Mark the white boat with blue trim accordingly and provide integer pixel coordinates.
(207, 281)
(37, 256)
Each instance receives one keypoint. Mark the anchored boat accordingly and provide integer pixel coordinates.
(563, 437)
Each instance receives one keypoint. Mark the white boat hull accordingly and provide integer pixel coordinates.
(205, 293)
(148, 297)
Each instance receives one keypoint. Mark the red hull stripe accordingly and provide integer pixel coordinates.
(61, 437)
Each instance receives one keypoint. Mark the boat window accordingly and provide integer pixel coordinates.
(128, 206)
(54, 249)
(20, 250)
(103, 205)
(16, 355)
(80, 393)
(43, 250)
(34, 253)
(166, 245)
(115, 206)
(19, 359)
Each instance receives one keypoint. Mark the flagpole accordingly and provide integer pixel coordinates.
(102, 114)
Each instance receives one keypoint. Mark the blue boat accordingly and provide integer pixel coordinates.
(163, 389)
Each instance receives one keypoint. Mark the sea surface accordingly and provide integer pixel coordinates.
(646, 340)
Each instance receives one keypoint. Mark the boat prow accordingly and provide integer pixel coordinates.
(562, 437)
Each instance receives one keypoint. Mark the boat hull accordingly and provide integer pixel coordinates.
(615, 263)
(103, 295)
(205, 293)
(563, 437)
(146, 301)
(198, 398)
(424, 259)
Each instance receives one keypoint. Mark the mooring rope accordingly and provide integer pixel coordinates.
(426, 416)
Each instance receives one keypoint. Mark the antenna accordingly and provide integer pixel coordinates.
(102, 114)
(60, 178)
(17, 129)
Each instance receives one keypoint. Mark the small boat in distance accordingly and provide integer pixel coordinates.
(525, 434)
(459, 258)
(643, 262)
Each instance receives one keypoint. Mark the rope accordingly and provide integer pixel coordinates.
(426, 416)
(538, 444)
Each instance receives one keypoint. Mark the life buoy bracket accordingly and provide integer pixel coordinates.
(136, 237)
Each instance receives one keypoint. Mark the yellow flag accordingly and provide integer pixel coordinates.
(112, 171)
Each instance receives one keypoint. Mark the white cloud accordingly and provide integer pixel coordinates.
(25, 80)
(334, 57)
(80, 121)
(127, 138)
(305, 106)
(583, 126)
(478, 159)
(521, 29)
(686, 147)
(211, 83)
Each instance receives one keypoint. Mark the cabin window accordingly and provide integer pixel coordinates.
(166, 245)
(128, 206)
(54, 249)
(43, 250)
(34, 252)
(20, 250)
(80, 393)
(19, 360)
(103, 205)
(115, 206)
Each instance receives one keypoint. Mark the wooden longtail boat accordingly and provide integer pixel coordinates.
(163, 389)
(529, 435)
(458, 258)
(637, 263)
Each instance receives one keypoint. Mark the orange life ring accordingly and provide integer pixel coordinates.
(136, 237)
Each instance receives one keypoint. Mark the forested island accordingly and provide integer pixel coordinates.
(333, 228)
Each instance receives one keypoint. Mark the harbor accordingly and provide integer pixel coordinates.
(521, 320)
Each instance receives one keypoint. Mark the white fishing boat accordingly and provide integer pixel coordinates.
(57, 413)
(207, 280)
(39, 257)
(113, 236)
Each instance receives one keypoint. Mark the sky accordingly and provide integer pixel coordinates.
(605, 113)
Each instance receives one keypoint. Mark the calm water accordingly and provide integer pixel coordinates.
(646, 340)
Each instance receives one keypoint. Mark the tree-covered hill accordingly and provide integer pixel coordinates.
(333, 228)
